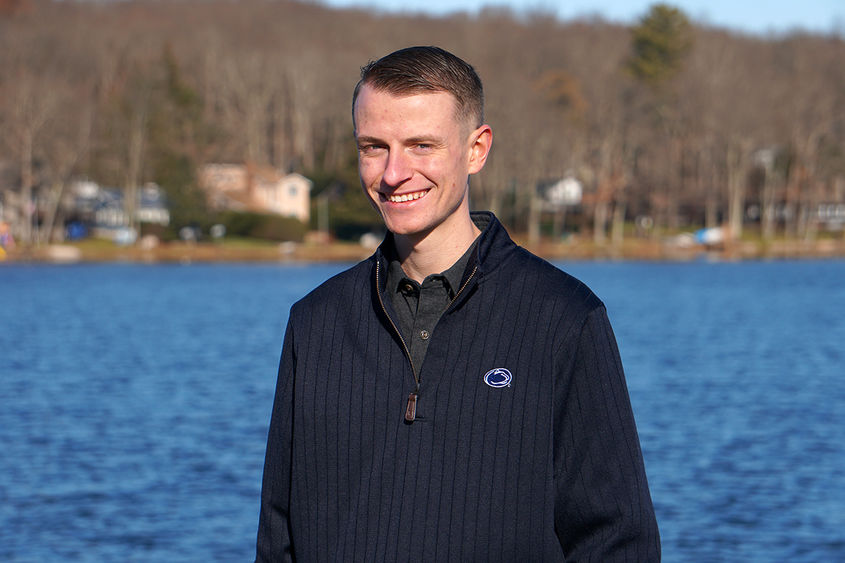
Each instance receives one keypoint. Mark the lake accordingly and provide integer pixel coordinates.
(134, 403)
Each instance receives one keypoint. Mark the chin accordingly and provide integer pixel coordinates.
(405, 228)
(402, 229)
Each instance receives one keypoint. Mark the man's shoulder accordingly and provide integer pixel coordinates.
(552, 281)
(518, 271)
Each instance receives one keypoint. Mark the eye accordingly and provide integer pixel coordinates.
(369, 148)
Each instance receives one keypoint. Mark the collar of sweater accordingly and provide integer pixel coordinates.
(493, 249)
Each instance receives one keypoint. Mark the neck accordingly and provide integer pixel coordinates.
(434, 252)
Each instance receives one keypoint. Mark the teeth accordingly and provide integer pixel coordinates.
(405, 197)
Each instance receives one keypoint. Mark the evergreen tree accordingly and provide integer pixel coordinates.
(660, 42)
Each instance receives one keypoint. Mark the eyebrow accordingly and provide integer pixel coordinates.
(365, 139)
(429, 139)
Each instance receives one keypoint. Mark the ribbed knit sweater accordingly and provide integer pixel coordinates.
(539, 463)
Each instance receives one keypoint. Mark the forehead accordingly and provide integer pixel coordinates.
(379, 107)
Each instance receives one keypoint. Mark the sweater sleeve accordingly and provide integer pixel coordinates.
(274, 538)
(603, 509)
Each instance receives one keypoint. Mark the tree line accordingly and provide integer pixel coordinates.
(667, 124)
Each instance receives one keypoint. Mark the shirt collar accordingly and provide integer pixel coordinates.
(452, 277)
(493, 248)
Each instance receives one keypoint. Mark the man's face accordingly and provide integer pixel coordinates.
(414, 159)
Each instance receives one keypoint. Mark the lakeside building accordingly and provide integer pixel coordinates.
(93, 209)
(260, 189)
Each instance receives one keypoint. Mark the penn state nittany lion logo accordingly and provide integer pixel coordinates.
(498, 377)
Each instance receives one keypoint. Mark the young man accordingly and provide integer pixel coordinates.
(453, 397)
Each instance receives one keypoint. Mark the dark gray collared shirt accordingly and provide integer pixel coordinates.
(419, 306)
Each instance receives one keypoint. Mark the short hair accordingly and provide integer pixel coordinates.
(416, 70)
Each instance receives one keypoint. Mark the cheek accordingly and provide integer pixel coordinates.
(371, 194)
(368, 171)
(452, 173)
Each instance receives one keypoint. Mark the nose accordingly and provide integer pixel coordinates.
(397, 169)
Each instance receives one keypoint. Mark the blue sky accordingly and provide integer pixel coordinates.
(750, 16)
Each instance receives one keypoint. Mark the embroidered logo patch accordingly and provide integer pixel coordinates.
(498, 377)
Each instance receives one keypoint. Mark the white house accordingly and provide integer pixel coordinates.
(261, 189)
(104, 210)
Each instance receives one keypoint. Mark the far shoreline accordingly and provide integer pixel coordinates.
(631, 249)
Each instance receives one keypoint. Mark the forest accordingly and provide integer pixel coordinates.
(667, 125)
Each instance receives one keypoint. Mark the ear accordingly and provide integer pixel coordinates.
(481, 140)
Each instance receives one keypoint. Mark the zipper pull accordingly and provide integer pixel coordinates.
(411, 409)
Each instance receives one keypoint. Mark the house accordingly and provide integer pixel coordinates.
(103, 209)
(555, 194)
(830, 215)
(261, 189)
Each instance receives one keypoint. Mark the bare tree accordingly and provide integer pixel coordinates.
(29, 105)
(673, 139)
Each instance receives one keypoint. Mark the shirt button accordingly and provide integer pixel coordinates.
(424, 334)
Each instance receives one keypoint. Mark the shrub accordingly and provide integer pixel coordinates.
(263, 226)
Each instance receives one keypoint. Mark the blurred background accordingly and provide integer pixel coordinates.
(635, 134)
(174, 175)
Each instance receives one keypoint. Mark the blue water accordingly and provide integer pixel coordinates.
(134, 403)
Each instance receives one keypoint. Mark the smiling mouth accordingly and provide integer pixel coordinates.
(401, 198)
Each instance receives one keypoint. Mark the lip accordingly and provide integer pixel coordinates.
(406, 197)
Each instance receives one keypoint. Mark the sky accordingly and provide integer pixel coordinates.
(758, 17)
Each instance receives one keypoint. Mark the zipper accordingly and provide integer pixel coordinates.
(411, 408)
(463, 287)
(413, 397)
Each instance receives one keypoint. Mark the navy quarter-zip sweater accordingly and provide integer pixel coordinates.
(543, 467)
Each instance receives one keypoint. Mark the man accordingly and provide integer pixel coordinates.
(453, 397)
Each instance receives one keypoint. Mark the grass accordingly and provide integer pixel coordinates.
(581, 247)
